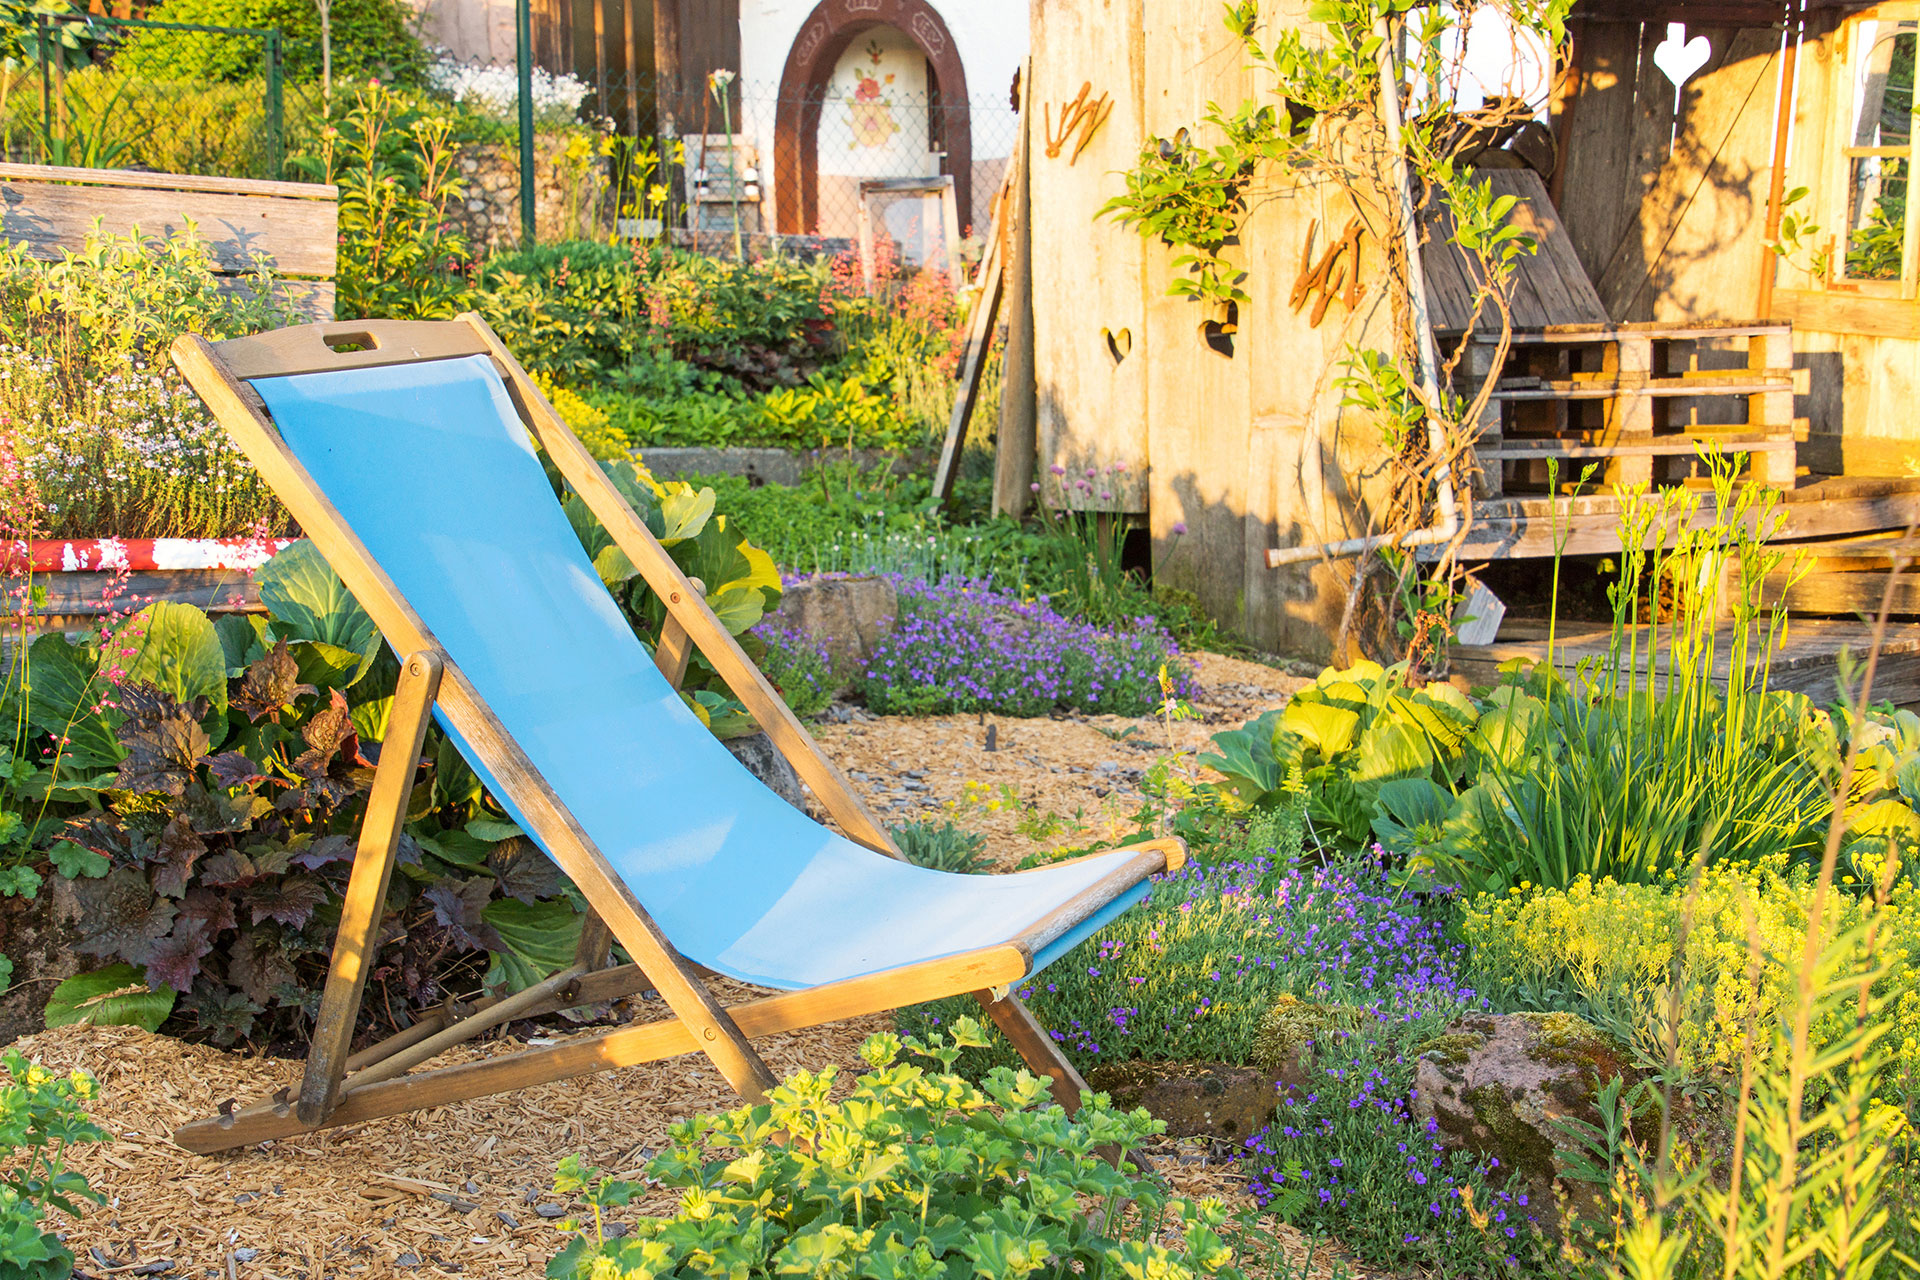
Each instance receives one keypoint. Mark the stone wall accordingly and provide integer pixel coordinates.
(570, 194)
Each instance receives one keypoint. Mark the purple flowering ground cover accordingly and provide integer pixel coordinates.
(1369, 976)
(962, 646)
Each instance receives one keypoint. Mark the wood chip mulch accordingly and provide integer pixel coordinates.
(466, 1190)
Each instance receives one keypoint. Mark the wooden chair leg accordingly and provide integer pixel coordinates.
(367, 887)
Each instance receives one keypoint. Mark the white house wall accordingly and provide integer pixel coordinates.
(992, 39)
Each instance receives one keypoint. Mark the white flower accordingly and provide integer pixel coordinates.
(495, 91)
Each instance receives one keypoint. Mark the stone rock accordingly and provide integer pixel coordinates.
(764, 761)
(1196, 1099)
(1292, 1029)
(850, 616)
(759, 466)
(1498, 1084)
(39, 936)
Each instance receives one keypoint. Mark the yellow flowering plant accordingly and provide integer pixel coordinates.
(41, 1117)
(1670, 960)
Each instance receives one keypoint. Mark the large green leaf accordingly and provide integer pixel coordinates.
(178, 650)
(1244, 758)
(309, 602)
(738, 607)
(1390, 749)
(1416, 806)
(243, 638)
(116, 996)
(1328, 729)
(685, 513)
(1506, 733)
(541, 938)
(61, 698)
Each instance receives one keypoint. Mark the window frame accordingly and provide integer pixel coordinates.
(1847, 71)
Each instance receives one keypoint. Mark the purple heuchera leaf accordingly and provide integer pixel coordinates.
(233, 769)
(291, 901)
(270, 684)
(120, 915)
(324, 852)
(174, 854)
(175, 959)
(215, 910)
(457, 905)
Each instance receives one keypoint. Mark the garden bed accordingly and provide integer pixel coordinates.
(462, 1189)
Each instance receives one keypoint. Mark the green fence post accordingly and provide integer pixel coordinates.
(276, 143)
(523, 60)
(46, 88)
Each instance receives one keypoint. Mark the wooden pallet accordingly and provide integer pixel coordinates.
(1646, 402)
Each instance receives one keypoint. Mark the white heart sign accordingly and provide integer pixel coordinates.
(1679, 57)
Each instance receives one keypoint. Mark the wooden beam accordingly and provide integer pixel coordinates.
(1014, 442)
(1835, 311)
(979, 970)
(986, 310)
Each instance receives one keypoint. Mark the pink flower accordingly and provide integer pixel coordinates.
(1179, 528)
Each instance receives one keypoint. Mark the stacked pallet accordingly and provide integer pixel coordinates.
(1638, 403)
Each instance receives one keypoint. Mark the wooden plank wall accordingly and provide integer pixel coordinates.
(1862, 364)
(52, 209)
(1199, 388)
(1089, 327)
(1670, 215)
(1236, 415)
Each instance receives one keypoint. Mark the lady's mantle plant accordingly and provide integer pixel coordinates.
(41, 1116)
(916, 1175)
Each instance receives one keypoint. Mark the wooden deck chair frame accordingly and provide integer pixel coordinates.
(341, 1089)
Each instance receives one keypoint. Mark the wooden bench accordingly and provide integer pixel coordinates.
(293, 224)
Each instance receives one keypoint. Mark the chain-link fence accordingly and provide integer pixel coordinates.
(124, 93)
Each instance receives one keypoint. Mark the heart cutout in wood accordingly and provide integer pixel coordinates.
(1119, 343)
(1679, 57)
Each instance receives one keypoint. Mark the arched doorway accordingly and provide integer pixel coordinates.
(824, 39)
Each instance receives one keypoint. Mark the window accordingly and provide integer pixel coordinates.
(1878, 156)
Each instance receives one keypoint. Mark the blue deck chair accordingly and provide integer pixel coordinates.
(405, 450)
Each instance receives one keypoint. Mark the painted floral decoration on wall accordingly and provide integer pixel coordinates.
(869, 109)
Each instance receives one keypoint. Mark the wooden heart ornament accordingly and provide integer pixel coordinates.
(1679, 57)
(1119, 343)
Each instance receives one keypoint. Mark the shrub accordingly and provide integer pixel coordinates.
(223, 850)
(943, 846)
(371, 39)
(914, 1174)
(44, 1116)
(963, 647)
(1631, 956)
(396, 166)
(494, 92)
(104, 428)
(798, 665)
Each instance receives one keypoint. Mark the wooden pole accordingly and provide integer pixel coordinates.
(1016, 443)
(366, 898)
(1777, 180)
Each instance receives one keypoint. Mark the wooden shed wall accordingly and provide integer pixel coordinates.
(1668, 214)
(1862, 358)
(1227, 425)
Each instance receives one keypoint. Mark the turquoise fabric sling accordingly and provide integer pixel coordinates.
(430, 466)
